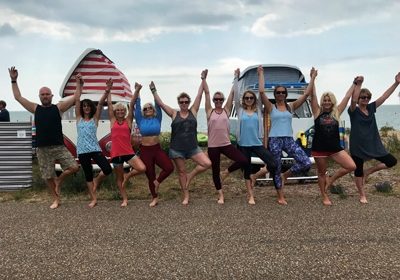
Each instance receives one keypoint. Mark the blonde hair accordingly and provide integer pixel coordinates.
(120, 105)
(152, 106)
(219, 93)
(334, 112)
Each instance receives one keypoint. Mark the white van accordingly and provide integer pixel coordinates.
(96, 68)
(293, 79)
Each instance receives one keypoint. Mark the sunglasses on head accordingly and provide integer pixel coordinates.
(249, 97)
(218, 99)
(280, 92)
(147, 108)
(365, 97)
(184, 102)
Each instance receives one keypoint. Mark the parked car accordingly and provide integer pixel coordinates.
(293, 79)
(96, 68)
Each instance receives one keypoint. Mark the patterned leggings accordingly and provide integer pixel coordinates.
(288, 145)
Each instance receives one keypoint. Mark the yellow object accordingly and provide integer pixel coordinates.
(302, 136)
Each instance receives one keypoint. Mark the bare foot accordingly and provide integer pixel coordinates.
(56, 204)
(156, 185)
(185, 197)
(282, 201)
(221, 200)
(223, 175)
(363, 200)
(252, 201)
(326, 201)
(124, 203)
(92, 204)
(154, 202)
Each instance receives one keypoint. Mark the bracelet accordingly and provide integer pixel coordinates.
(13, 82)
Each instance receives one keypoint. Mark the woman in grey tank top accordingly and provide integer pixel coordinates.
(183, 137)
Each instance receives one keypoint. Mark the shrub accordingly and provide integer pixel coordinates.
(385, 129)
(384, 187)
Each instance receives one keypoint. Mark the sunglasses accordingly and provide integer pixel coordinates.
(249, 97)
(280, 92)
(365, 97)
(218, 99)
(184, 102)
(147, 108)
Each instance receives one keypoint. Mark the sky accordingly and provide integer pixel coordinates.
(171, 42)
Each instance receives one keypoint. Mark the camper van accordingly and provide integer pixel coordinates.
(293, 79)
(96, 68)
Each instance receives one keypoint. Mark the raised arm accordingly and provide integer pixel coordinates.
(138, 87)
(77, 95)
(138, 110)
(168, 110)
(196, 104)
(206, 94)
(389, 91)
(297, 103)
(314, 100)
(342, 105)
(111, 115)
(28, 105)
(101, 103)
(235, 88)
(356, 92)
(228, 104)
(261, 89)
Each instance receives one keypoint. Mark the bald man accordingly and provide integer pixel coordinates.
(49, 136)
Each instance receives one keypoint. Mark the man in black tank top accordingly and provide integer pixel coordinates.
(49, 136)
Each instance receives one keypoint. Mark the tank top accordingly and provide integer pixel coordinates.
(281, 123)
(184, 132)
(326, 137)
(218, 129)
(87, 139)
(121, 140)
(48, 126)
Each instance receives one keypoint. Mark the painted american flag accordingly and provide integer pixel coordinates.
(96, 69)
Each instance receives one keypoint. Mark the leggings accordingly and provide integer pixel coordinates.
(389, 160)
(287, 144)
(152, 156)
(229, 151)
(264, 155)
(86, 163)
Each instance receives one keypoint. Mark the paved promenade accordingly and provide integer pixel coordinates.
(303, 240)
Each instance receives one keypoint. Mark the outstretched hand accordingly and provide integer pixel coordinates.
(109, 84)
(79, 79)
(260, 70)
(397, 78)
(358, 80)
(204, 74)
(13, 73)
(237, 73)
(138, 86)
(313, 73)
(152, 87)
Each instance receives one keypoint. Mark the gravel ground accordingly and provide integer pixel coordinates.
(302, 240)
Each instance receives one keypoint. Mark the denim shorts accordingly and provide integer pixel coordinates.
(119, 160)
(184, 154)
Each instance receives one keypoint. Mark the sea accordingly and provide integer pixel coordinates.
(386, 115)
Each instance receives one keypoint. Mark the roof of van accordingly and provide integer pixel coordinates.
(96, 68)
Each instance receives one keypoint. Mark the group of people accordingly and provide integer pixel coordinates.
(365, 142)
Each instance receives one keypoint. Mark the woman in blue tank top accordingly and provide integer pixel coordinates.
(280, 137)
(88, 148)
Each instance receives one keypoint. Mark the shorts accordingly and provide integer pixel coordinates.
(119, 160)
(47, 157)
(184, 154)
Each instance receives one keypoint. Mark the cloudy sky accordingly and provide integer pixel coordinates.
(170, 42)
